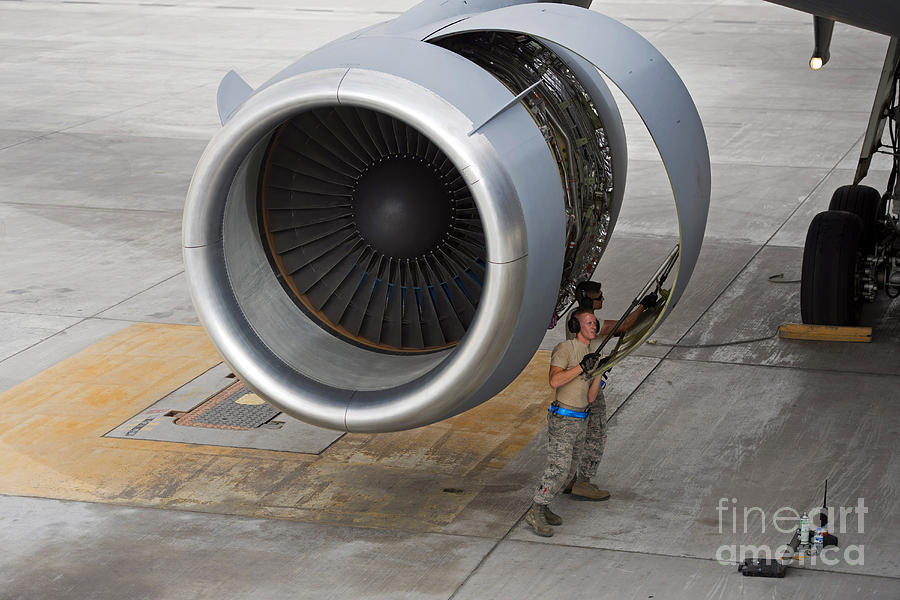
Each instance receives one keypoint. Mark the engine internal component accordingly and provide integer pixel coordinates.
(338, 185)
(575, 133)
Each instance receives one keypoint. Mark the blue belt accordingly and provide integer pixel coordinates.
(559, 410)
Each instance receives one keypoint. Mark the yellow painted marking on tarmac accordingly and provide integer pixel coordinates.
(828, 333)
(52, 445)
(250, 400)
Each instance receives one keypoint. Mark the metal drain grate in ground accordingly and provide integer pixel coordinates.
(235, 407)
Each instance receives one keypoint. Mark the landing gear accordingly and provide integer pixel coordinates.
(864, 201)
(853, 249)
(849, 255)
(828, 290)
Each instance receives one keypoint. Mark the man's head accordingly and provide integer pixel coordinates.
(589, 295)
(587, 324)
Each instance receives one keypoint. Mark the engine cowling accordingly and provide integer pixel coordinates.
(378, 236)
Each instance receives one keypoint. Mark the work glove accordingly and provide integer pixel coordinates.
(589, 362)
(650, 300)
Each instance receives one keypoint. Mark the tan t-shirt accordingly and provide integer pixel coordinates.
(567, 354)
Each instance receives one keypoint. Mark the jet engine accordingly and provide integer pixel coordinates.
(378, 237)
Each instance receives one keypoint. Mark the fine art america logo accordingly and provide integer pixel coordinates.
(754, 520)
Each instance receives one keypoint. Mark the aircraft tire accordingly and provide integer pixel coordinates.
(864, 201)
(828, 283)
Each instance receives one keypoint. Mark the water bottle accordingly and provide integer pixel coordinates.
(818, 540)
(804, 530)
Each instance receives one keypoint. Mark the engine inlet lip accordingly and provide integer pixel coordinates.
(432, 395)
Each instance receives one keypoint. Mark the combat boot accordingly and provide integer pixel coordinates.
(568, 487)
(551, 517)
(535, 518)
(585, 490)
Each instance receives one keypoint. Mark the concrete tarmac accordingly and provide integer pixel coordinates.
(106, 107)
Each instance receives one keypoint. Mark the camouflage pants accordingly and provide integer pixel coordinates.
(573, 446)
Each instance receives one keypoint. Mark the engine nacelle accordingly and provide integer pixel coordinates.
(377, 238)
